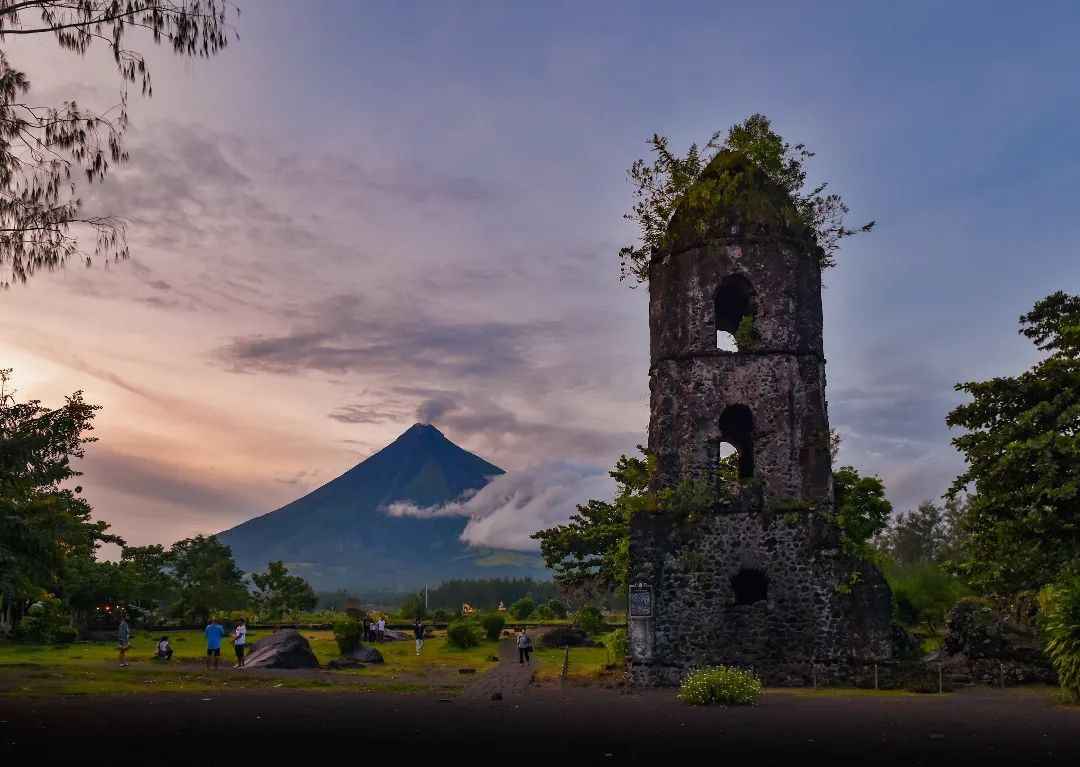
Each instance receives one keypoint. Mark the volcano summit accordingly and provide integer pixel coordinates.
(341, 535)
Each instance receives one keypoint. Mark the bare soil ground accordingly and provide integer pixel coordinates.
(978, 726)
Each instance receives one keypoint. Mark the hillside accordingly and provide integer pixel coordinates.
(340, 536)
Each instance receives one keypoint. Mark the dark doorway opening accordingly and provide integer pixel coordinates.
(750, 586)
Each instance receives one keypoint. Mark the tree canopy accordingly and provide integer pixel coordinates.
(46, 148)
(277, 592)
(1022, 448)
(660, 188)
(43, 524)
(593, 547)
(207, 577)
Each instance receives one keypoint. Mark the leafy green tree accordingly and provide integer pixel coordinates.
(522, 608)
(493, 624)
(87, 583)
(43, 525)
(555, 608)
(915, 536)
(594, 545)
(590, 620)
(662, 187)
(413, 607)
(861, 509)
(1022, 448)
(277, 592)
(146, 575)
(207, 578)
(44, 149)
(924, 593)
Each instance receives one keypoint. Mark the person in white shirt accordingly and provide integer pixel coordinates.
(382, 629)
(240, 642)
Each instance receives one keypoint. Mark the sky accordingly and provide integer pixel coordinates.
(364, 215)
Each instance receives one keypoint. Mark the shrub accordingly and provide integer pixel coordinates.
(590, 620)
(724, 685)
(441, 616)
(347, 634)
(618, 645)
(462, 634)
(556, 608)
(46, 622)
(565, 636)
(493, 624)
(1060, 606)
(522, 608)
(924, 593)
(975, 630)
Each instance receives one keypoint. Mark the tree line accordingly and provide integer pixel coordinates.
(49, 543)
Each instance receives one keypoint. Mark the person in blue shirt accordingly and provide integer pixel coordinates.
(214, 632)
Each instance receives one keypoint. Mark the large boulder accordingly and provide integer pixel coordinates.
(992, 648)
(366, 655)
(358, 658)
(285, 648)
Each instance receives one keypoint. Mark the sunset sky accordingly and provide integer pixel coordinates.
(364, 215)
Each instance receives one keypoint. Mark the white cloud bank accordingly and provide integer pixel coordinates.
(510, 508)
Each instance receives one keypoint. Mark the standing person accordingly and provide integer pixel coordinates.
(365, 629)
(214, 632)
(524, 645)
(239, 642)
(382, 628)
(125, 640)
(418, 632)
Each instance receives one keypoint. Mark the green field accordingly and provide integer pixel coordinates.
(93, 667)
(585, 663)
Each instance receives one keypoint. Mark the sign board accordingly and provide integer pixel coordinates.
(641, 600)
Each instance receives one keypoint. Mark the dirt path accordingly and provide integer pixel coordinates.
(509, 680)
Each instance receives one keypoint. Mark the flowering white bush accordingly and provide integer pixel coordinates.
(726, 685)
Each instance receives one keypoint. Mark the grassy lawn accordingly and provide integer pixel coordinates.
(586, 663)
(92, 668)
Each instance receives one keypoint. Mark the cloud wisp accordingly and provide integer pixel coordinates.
(508, 510)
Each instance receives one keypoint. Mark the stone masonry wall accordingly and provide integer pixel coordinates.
(823, 614)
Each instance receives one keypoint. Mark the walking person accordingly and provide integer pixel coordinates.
(240, 642)
(214, 632)
(524, 645)
(418, 632)
(124, 636)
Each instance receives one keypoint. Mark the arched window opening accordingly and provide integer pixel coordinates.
(734, 302)
(750, 586)
(728, 462)
(737, 429)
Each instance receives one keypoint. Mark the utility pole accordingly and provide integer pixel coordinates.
(425, 598)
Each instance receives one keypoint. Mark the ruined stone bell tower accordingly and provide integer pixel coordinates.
(761, 580)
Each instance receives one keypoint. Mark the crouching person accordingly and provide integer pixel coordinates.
(164, 649)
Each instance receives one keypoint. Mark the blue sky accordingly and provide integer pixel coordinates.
(361, 215)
